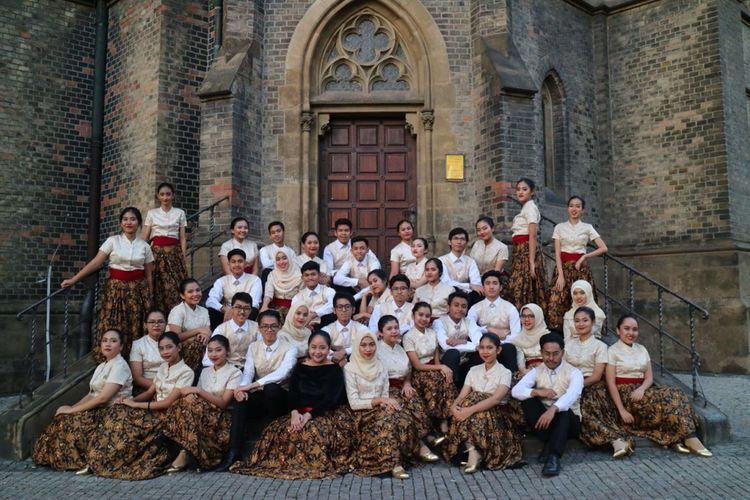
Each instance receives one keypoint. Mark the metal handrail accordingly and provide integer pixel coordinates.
(36, 304)
(206, 209)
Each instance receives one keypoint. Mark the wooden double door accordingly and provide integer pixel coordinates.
(367, 175)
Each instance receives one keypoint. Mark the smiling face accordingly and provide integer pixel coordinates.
(405, 231)
(311, 278)
(343, 233)
(431, 273)
(628, 331)
(359, 250)
(484, 231)
(277, 235)
(575, 209)
(523, 192)
(165, 196)
(552, 355)
(367, 347)
(282, 261)
(155, 324)
(192, 294)
(311, 245)
(583, 323)
(169, 351)
(400, 292)
(237, 265)
(343, 310)
(269, 329)
(579, 297)
(110, 344)
(458, 308)
(390, 333)
(129, 223)
(240, 230)
(377, 286)
(317, 349)
(241, 311)
(299, 320)
(422, 317)
(487, 350)
(216, 353)
(417, 249)
(527, 318)
(492, 287)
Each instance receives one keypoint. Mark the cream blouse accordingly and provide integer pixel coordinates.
(361, 391)
(486, 256)
(166, 223)
(415, 270)
(146, 350)
(114, 371)
(629, 361)
(574, 238)
(187, 318)
(173, 377)
(394, 359)
(423, 344)
(585, 355)
(482, 380)
(401, 253)
(302, 258)
(216, 381)
(436, 296)
(127, 255)
(529, 215)
(249, 247)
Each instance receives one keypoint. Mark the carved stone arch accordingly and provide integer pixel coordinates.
(428, 101)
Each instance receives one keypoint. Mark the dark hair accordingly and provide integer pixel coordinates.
(438, 263)
(358, 239)
(586, 310)
(459, 294)
(319, 333)
(380, 274)
(276, 223)
(345, 296)
(238, 219)
(420, 305)
(486, 219)
(384, 320)
(552, 337)
(492, 273)
(171, 336)
(492, 337)
(310, 265)
(221, 339)
(576, 197)
(272, 313)
(398, 226)
(243, 297)
(424, 242)
(528, 182)
(236, 251)
(184, 283)
(396, 278)
(154, 310)
(134, 211)
(164, 184)
(342, 222)
(119, 333)
(456, 231)
(304, 237)
(625, 316)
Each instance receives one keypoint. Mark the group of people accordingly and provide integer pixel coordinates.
(322, 366)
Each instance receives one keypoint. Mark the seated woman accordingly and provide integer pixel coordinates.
(144, 355)
(128, 442)
(582, 295)
(588, 354)
(295, 331)
(434, 292)
(432, 380)
(199, 421)
(377, 293)
(282, 284)
(191, 322)
(637, 407)
(314, 440)
(533, 327)
(481, 421)
(64, 443)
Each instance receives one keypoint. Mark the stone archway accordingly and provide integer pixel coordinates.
(307, 110)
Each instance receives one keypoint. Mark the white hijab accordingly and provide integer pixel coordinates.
(530, 338)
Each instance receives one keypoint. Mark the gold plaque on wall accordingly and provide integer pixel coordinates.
(454, 167)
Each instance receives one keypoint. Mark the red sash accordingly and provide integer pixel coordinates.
(396, 382)
(249, 269)
(570, 257)
(626, 380)
(520, 238)
(164, 241)
(304, 409)
(120, 275)
(533, 361)
(281, 303)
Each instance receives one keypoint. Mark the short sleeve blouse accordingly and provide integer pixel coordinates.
(574, 237)
(529, 215)
(423, 344)
(482, 380)
(114, 371)
(249, 247)
(216, 381)
(127, 255)
(166, 223)
(629, 361)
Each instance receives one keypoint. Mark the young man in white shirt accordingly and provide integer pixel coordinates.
(344, 329)
(399, 305)
(317, 297)
(457, 335)
(460, 270)
(352, 276)
(549, 395)
(239, 330)
(220, 296)
(267, 254)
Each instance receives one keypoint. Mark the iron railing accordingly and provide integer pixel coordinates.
(208, 242)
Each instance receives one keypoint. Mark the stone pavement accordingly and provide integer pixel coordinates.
(650, 473)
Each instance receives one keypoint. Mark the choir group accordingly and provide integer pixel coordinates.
(323, 366)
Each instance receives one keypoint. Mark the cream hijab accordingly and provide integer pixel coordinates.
(586, 287)
(369, 369)
(286, 283)
(295, 333)
(530, 338)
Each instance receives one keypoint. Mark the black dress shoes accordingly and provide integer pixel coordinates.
(230, 459)
(543, 455)
(552, 466)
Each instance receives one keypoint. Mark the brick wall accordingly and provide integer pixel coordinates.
(45, 112)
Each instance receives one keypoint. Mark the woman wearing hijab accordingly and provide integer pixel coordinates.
(295, 332)
(582, 295)
(527, 342)
(282, 284)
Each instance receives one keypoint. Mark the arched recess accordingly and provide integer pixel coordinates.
(307, 109)
(554, 120)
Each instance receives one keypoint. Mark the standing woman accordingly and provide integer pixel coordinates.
(533, 327)
(295, 331)
(401, 255)
(282, 284)
(165, 226)
(239, 227)
(481, 420)
(127, 290)
(571, 260)
(386, 438)
(191, 322)
(415, 270)
(64, 443)
(310, 245)
(582, 295)
(489, 253)
(434, 292)
(144, 355)
(315, 440)
(527, 269)
(638, 407)
(199, 422)
(128, 443)
(433, 381)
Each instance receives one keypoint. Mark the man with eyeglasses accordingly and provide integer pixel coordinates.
(397, 306)
(460, 270)
(261, 396)
(239, 330)
(344, 329)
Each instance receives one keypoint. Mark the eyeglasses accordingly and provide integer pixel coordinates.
(528, 316)
(274, 326)
(155, 322)
(343, 307)
(242, 308)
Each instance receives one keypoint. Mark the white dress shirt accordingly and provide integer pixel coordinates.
(278, 375)
(568, 393)
(445, 328)
(267, 255)
(307, 297)
(219, 293)
(464, 264)
(504, 309)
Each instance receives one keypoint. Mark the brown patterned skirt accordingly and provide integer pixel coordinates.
(321, 450)
(124, 306)
(415, 408)
(129, 444)
(64, 443)
(560, 302)
(192, 351)
(201, 428)
(169, 270)
(492, 432)
(664, 415)
(524, 288)
(438, 394)
(383, 440)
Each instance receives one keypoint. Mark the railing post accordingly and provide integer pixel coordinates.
(66, 332)
(607, 308)
(29, 383)
(693, 353)
(631, 291)
(211, 224)
(661, 329)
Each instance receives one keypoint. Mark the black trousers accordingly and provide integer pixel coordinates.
(452, 359)
(566, 425)
(258, 410)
